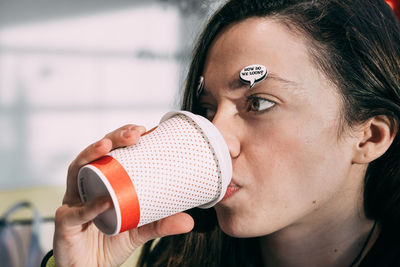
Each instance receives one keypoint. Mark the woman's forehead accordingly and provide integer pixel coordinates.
(259, 41)
(256, 41)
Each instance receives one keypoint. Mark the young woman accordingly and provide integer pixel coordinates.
(315, 146)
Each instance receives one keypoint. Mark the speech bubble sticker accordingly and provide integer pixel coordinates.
(253, 74)
(200, 86)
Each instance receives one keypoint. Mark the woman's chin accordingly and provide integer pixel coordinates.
(241, 226)
(233, 232)
(232, 226)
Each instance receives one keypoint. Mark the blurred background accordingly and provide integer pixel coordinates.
(71, 71)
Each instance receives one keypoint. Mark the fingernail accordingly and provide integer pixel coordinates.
(98, 143)
(126, 133)
(141, 130)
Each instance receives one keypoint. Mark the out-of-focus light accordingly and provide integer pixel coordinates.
(76, 78)
(394, 4)
(390, 3)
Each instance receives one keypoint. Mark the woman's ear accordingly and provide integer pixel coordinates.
(375, 137)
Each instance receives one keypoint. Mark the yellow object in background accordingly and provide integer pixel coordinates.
(46, 199)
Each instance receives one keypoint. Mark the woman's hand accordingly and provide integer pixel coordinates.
(77, 241)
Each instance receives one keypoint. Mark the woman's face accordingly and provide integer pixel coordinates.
(291, 165)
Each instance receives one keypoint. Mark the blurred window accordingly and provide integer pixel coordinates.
(65, 82)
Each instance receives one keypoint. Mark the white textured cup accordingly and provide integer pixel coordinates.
(182, 163)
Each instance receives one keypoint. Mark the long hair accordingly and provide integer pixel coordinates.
(356, 44)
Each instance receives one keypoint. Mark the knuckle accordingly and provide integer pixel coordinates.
(71, 167)
(99, 145)
(59, 215)
(108, 135)
(158, 228)
(136, 240)
(129, 126)
(112, 135)
(80, 213)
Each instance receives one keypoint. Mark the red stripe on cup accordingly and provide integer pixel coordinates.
(149, 131)
(124, 190)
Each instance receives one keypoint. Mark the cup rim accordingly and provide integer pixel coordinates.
(217, 143)
(116, 209)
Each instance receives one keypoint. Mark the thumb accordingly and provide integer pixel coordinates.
(179, 223)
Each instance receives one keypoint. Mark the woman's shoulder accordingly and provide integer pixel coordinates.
(385, 252)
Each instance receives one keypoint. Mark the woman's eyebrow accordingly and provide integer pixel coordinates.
(237, 84)
(287, 83)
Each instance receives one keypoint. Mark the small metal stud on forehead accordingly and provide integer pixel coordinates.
(253, 74)
(200, 86)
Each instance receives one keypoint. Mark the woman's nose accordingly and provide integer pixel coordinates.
(227, 127)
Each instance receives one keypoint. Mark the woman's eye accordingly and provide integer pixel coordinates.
(259, 104)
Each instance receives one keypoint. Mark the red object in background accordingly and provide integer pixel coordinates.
(395, 5)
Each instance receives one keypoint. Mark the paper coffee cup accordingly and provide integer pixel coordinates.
(182, 163)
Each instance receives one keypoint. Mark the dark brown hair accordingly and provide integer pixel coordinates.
(356, 44)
